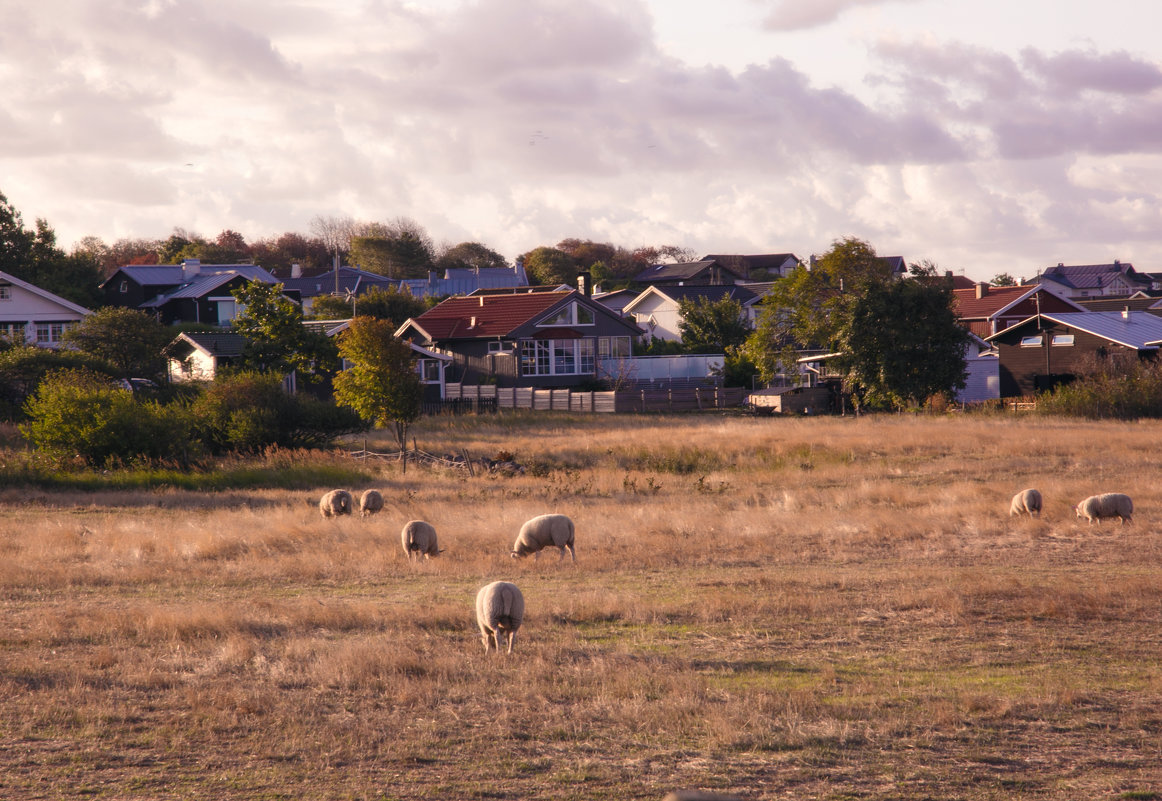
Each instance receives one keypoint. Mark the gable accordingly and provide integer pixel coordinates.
(20, 301)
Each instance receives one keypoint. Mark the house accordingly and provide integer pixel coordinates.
(1045, 350)
(1094, 280)
(466, 280)
(768, 265)
(190, 292)
(982, 381)
(198, 356)
(707, 272)
(616, 300)
(985, 309)
(531, 337)
(656, 309)
(33, 316)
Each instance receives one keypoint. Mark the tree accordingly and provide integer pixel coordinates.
(276, 339)
(33, 256)
(470, 255)
(808, 308)
(130, 341)
(1003, 279)
(400, 248)
(549, 266)
(382, 385)
(377, 302)
(22, 368)
(902, 344)
(712, 325)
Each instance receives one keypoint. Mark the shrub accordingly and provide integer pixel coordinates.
(1108, 389)
(83, 414)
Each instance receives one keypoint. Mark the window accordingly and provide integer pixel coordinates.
(49, 333)
(1062, 340)
(429, 370)
(124, 286)
(5, 292)
(613, 347)
(573, 314)
(1031, 342)
(557, 357)
(13, 332)
(500, 347)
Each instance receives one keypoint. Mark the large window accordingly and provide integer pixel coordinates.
(13, 332)
(49, 333)
(613, 347)
(573, 314)
(557, 357)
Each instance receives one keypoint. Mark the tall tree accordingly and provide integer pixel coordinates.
(549, 266)
(276, 339)
(712, 326)
(129, 340)
(470, 255)
(382, 384)
(809, 307)
(902, 344)
(33, 256)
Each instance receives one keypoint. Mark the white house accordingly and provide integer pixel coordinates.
(34, 316)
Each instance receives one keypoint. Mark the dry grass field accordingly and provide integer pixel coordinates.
(778, 609)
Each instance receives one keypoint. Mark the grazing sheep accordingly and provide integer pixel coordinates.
(335, 503)
(370, 502)
(1110, 504)
(1026, 502)
(500, 608)
(419, 539)
(542, 532)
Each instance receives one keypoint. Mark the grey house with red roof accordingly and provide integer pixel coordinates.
(527, 337)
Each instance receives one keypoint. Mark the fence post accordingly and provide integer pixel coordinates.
(468, 462)
(643, 400)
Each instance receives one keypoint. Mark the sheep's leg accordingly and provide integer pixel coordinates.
(511, 637)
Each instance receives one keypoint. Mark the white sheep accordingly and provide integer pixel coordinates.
(543, 532)
(419, 539)
(1026, 502)
(335, 503)
(370, 502)
(500, 608)
(1110, 504)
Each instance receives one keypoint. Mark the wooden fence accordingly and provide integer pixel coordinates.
(639, 399)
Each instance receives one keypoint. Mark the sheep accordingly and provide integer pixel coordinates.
(335, 503)
(1026, 502)
(500, 608)
(542, 532)
(1110, 504)
(419, 539)
(370, 502)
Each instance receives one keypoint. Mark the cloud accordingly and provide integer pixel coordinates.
(797, 15)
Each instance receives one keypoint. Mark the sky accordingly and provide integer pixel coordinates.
(984, 136)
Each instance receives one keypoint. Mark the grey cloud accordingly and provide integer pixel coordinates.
(795, 15)
(1075, 71)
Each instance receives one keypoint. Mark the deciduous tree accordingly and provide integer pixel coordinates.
(130, 341)
(712, 326)
(382, 384)
(276, 339)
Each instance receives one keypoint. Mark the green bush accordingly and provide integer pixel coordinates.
(81, 414)
(1109, 389)
(23, 367)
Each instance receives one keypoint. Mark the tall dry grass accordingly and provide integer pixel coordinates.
(778, 608)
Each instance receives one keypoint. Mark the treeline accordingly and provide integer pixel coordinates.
(400, 248)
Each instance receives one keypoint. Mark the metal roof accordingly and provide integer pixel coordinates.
(1137, 330)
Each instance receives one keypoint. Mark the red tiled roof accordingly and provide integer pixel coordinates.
(969, 305)
(495, 315)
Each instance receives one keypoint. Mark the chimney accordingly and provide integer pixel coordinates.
(471, 322)
(296, 270)
(482, 301)
(1126, 313)
(584, 283)
(982, 289)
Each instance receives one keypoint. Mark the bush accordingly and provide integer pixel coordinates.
(1109, 389)
(248, 412)
(23, 367)
(80, 414)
